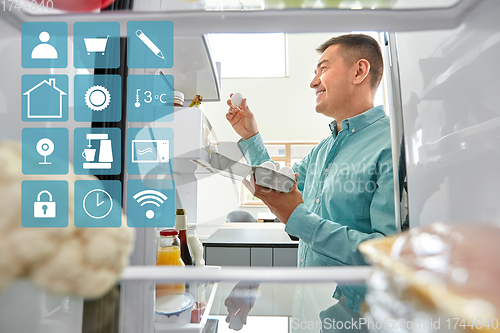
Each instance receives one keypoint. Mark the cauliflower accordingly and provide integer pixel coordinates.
(81, 261)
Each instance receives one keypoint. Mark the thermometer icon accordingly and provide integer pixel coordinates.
(137, 103)
(145, 39)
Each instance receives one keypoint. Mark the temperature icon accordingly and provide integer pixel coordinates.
(137, 103)
(148, 98)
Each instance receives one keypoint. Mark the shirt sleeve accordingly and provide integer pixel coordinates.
(254, 150)
(301, 168)
(337, 244)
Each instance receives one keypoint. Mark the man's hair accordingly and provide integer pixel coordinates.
(359, 46)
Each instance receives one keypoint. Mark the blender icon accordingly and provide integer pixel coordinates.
(105, 152)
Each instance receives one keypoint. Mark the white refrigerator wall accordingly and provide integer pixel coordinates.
(284, 109)
(450, 93)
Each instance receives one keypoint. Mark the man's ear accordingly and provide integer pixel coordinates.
(362, 68)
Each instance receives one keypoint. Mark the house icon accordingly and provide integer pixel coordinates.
(45, 100)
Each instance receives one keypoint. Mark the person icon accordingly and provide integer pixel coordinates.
(44, 51)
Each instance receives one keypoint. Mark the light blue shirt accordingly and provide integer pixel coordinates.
(347, 186)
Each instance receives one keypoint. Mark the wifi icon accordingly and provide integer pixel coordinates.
(150, 197)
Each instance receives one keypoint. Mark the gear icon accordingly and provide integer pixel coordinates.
(97, 98)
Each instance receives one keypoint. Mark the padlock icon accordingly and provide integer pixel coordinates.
(45, 209)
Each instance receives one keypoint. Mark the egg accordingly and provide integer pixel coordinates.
(268, 165)
(236, 99)
(235, 323)
(287, 171)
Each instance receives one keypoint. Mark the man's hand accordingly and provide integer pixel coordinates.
(242, 119)
(281, 204)
(239, 303)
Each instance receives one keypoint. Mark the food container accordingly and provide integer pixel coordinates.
(272, 179)
(237, 170)
(174, 309)
(440, 276)
(178, 98)
(198, 311)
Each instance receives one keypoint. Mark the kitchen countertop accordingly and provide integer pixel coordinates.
(250, 234)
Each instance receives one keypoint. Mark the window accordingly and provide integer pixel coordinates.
(249, 55)
(285, 154)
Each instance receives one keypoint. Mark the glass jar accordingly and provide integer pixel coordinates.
(169, 253)
(178, 98)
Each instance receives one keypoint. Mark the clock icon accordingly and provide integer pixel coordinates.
(97, 204)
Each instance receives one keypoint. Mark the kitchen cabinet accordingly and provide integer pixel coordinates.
(285, 256)
(251, 244)
(227, 256)
(261, 256)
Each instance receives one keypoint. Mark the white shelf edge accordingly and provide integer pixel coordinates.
(340, 275)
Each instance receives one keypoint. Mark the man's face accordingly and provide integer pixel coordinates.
(331, 82)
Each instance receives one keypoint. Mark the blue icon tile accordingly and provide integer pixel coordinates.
(150, 151)
(98, 203)
(44, 203)
(97, 151)
(96, 44)
(150, 98)
(151, 206)
(150, 44)
(44, 45)
(45, 151)
(98, 98)
(44, 98)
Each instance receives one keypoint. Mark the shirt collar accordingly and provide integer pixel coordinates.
(360, 121)
(333, 128)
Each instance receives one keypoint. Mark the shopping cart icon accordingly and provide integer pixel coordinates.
(96, 44)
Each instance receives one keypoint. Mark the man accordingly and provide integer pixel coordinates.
(344, 192)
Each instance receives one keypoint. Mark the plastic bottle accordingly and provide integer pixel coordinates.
(195, 246)
(181, 226)
(197, 289)
(169, 253)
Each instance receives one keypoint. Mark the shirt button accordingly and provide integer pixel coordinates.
(353, 130)
(302, 260)
(317, 200)
(326, 170)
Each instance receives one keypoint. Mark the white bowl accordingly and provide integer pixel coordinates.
(174, 309)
